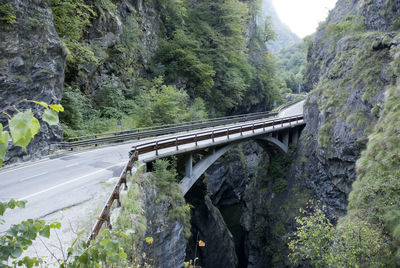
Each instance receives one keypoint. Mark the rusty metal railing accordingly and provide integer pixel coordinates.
(176, 141)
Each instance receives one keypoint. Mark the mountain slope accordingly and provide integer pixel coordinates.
(284, 36)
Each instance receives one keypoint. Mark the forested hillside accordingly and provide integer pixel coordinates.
(291, 63)
(161, 62)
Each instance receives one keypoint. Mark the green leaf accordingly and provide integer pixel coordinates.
(50, 116)
(55, 225)
(22, 203)
(122, 255)
(12, 204)
(123, 235)
(4, 136)
(57, 107)
(2, 208)
(23, 126)
(45, 232)
(149, 240)
(16, 253)
(42, 103)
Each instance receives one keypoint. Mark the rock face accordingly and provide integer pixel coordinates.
(32, 62)
(169, 246)
(348, 75)
(231, 212)
(124, 39)
(208, 225)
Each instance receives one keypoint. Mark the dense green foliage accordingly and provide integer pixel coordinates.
(375, 195)
(209, 53)
(352, 24)
(291, 63)
(7, 13)
(351, 244)
(277, 169)
(204, 62)
(19, 237)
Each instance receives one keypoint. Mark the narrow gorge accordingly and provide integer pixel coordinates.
(163, 62)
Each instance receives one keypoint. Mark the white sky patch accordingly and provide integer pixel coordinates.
(303, 16)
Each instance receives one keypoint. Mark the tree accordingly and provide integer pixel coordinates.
(352, 243)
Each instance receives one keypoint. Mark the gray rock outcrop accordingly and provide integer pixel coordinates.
(348, 75)
(32, 62)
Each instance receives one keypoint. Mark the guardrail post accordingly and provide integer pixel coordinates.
(195, 139)
(156, 148)
(227, 133)
(116, 196)
(176, 143)
(241, 131)
(264, 126)
(212, 136)
(273, 123)
(107, 219)
(123, 181)
(252, 127)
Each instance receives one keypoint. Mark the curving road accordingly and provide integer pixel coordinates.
(71, 178)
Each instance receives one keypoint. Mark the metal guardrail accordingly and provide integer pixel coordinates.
(286, 105)
(166, 129)
(140, 133)
(94, 136)
(177, 141)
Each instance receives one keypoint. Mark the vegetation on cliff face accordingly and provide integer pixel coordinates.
(200, 51)
(375, 196)
(155, 210)
(353, 65)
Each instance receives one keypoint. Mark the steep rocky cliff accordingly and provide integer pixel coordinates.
(32, 62)
(348, 74)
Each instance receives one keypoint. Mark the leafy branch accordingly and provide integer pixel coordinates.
(23, 126)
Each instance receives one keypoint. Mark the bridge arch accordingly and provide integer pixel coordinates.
(193, 173)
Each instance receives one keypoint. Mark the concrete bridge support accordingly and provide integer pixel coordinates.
(295, 136)
(189, 165)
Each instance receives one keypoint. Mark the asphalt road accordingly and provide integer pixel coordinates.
(68, 179)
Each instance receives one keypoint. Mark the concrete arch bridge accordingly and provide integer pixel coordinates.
(275, 133)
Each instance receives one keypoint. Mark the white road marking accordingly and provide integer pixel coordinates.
(31, 165)
(34, 176)
(56, 159)
(72, 165)
(68, 182)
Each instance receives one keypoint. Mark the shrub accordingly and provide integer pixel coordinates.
(7, 14)
(353, 243)
(352, 24)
